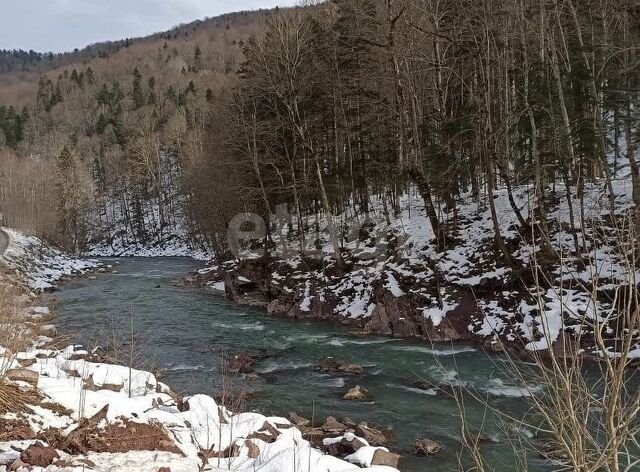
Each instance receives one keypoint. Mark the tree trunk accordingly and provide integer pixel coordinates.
(329, 217)
(424, 189)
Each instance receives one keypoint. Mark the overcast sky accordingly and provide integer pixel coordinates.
(62, 25)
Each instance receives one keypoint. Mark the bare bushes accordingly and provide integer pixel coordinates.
(584, 390)
(26, 188)
(591, 400)
(15, 334)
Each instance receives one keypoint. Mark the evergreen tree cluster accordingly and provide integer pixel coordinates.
(12, 126)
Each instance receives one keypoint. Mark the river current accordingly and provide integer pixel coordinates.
(185, 333)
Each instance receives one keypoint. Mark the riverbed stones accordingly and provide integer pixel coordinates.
(241, 363)
(357, 393)
(374, 436)
(49, 330)
(298, 420)
(338, 449)
(333, 426)
(347, 445)
(333, 365)
(494, 345)
(426, 447)
(382, 457)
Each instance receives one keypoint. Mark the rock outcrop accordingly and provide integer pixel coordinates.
(392, 312)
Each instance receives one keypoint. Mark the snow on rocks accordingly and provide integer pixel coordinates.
(198, 425)
(398, 284)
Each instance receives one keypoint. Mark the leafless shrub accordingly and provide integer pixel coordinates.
(586, 416)
(16, 331)
(26, 186)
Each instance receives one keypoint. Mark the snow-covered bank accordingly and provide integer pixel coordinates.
(171, 246)
(397, 282)
(38, 264)
(99, 409)
(75, 411)
(113, 234)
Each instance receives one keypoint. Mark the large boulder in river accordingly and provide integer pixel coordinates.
(357, 393)
(241, 363)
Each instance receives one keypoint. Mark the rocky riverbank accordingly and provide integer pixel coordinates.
(393, 281)
(394, 306)
(63, 408)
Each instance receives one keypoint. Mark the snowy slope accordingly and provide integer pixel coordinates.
(398, 260)
(113, 234)
(39, 264)
(201, 425)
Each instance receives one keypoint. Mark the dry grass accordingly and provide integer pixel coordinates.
(17, 332)
(14, 399)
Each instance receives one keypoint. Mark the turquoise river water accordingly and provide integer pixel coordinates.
(185, 333)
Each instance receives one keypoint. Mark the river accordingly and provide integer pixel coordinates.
(184, 332)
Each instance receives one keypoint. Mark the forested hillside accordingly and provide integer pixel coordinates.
(445, 171)
(326, 108)
(95, 141)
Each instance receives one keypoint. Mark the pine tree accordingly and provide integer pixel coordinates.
(56, 97)
(89, 76)
(197, 59)
(137, 94)
(45, 91)
(103, 96)
(101, 123)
